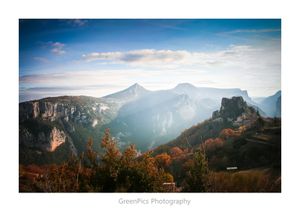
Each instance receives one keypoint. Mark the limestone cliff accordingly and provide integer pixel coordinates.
(57, 137)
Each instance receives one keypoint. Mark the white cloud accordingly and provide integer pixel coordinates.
(234, 56)
(143, 56)
(57, 48)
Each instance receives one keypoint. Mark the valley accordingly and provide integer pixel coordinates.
(171, 131)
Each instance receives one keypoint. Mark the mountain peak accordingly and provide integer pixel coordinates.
(136, 86)
(185, 85)
(132, 92)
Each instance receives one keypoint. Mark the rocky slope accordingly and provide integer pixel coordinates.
(62, 122)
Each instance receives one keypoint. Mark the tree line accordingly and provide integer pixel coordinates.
(114, 170)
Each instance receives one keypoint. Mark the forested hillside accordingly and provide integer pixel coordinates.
(236, 150)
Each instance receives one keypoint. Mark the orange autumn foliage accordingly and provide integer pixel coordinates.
(175, 152)
(228, 133)
(163, 160)
(211, 144)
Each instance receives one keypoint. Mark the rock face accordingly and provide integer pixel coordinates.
(236, 111)
(58, 127)
(45, 141)
(46, 110)
(36, 109)
(82, 110)
(57, 138)
(234, 107)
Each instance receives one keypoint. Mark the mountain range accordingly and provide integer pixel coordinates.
(51, 129)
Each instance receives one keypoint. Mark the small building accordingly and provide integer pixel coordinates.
(169, 187)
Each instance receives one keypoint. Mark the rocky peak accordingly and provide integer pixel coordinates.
(231, 108)
(136, 88)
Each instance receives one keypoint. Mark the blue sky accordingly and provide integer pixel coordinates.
(98, 57)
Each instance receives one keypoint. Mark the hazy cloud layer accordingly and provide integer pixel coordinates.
(143, 56)
(235, 55)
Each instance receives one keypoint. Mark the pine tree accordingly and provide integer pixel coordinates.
(196, 176)
(110, 162)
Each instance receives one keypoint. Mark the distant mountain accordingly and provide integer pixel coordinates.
(271, 105)
(50, 129)
(133, 92)
(158, 116)
(210, 93)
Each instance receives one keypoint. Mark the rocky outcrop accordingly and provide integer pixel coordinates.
(81, 110)
(46, 141)
(215, 114)
(52, 129)
(45, 110)
(234, 107)
(57, 138)
(36, 109)
(48, 110)
(236, 111)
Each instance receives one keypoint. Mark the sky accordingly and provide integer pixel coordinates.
(97, 57)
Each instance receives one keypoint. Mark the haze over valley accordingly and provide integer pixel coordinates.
(134, 115)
